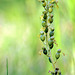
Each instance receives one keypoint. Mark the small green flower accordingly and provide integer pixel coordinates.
(57, 55)
(44, 12)
(50, 10)
(46, 30)
(45, 16)
(42, 37)
(51, 33)
(50, 19)
(44, 4)
(41, 32)
(43, 0)
(52, 29)
(50, 42)
(52, 38)
(59, 51)
(51, 15)
(43, 23)
(51, 46)
(45, 52)
(57, 69)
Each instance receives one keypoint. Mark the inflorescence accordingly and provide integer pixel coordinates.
(47, 33)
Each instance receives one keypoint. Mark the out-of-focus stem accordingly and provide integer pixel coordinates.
(7, 65)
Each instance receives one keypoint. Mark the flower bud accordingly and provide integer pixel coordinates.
(52, 38)
(51, 46)
(52, 29)
(51, 33)
(44, 4)
(59, 51)
(41, 32)
(50, 10)
(44, 12)
(46, 30)
(50, 42)
(43, 23)
(57, 69)
(57, 55)
(45, 52)
(42, 37)
(42, 0)
(50, 20)
(45, 16)
(51, 15)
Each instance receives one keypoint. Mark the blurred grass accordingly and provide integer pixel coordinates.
(19, 26)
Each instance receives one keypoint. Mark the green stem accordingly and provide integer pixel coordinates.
(52, 60)
(46, 41)
(47, 45)
(7, 65)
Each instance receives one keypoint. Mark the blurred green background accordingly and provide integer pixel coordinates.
(20, 25)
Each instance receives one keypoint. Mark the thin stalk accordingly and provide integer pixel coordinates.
(47, 45)
(7, 65)
(52, 60)
(46, 41)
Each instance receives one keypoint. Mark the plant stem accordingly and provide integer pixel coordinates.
(52, 60)
(46, 41)
(47, 45)
(7, 65)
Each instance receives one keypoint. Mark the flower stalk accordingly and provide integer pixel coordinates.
(47, 33)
